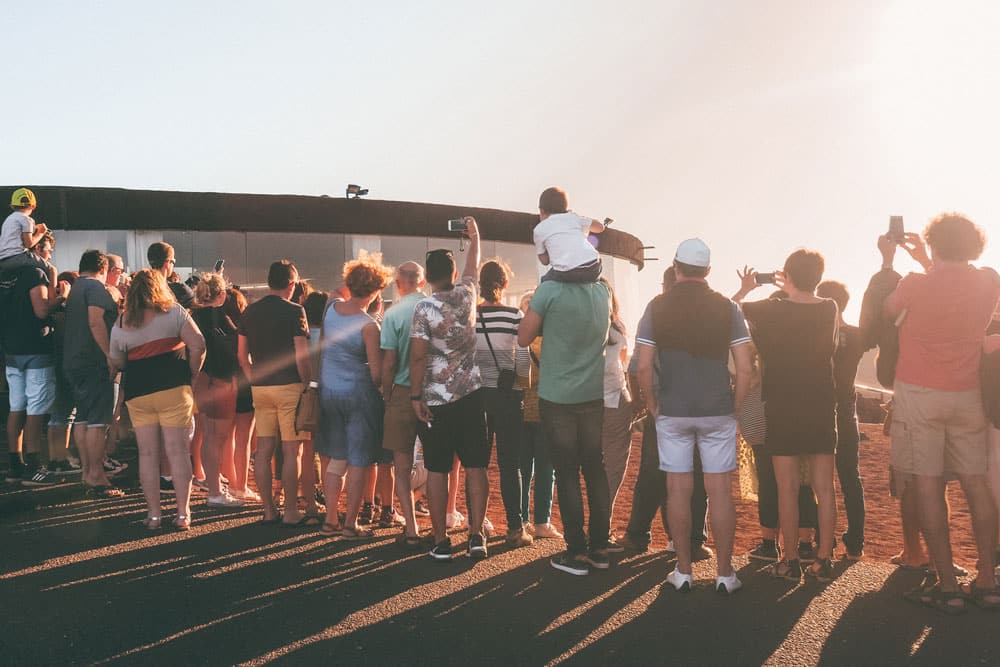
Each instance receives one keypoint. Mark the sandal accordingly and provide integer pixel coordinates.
(790, 570)
(311, 519)
(152, 523)
(330, 529)
(942, 601)
(356, 535)
(821, 570)
(984, 598)
(104, 492)
(182, 522)
(923, 594)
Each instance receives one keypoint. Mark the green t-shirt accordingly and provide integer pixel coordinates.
(396, 334)
(575, 323)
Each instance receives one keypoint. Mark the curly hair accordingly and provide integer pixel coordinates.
(366, 275)
(494, 276)
(955, 238)
(209, 287)
(148, 290)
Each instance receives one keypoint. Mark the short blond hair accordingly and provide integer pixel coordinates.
(209, 288)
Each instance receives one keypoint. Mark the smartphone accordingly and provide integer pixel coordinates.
(458, 225)
(896, 231)
(219, 265)
(764, 278)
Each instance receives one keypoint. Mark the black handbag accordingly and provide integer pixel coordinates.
(505, 376)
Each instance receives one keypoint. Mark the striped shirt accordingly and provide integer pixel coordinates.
(500, 322)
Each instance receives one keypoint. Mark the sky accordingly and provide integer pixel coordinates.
(760, 127)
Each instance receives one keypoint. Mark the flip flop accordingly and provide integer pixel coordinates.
(311, 519)
(978, 596)
(104, 492)
(330, 530)
(359, 535)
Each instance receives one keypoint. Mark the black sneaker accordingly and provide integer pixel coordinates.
(41, 477)
(614, 546)
(767, 552)
(598, 559)
(477, 546)
(366, 514)
(572, 564)
(15, 474)
(807, 552)
(441, 550)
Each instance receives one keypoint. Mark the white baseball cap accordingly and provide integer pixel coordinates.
(694, 252)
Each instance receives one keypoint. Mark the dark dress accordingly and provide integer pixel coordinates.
(796, 343)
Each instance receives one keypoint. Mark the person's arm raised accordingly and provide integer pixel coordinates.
(472, 255)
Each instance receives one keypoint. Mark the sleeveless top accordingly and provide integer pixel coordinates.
(344, 359)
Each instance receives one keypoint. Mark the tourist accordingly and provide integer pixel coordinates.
(616, 431)
(90, 314)
(400, 424)
(162, 259)
(561, 240)
(274, 353)
(576, 318)
(244, 440)
(160, 349)
(215, 386)
(19, 235)
(535, 461)
(939, 425)
(498, 356)
(796, 338)
(351, 408)
(695, 407)
(444, 391)
(63, 411)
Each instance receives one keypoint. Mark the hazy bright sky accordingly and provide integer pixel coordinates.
(759, 126)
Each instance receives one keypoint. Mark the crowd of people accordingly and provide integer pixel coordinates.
(346, 403)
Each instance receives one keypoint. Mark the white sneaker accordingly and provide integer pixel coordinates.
(680, 582)
(225, 501)
(249, 496)
(545, 530)
(454, 520)
(487, 527)
(728, 585)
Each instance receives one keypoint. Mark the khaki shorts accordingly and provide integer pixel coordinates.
(936, 432)
(400, 426)
(274, 409)
(171, 408)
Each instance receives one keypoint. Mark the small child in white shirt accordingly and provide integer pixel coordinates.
(561, 240)
(19, 234)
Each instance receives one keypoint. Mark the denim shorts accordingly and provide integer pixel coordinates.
(93, 393)
(32, 382)
(350, 427)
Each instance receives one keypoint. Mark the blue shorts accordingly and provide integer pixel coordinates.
(350, 427)
(32, 382)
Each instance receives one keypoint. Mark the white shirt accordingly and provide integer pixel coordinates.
(10, 234)
(564, 237)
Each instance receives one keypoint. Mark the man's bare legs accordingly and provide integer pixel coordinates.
(242, 448)
(477, 490)
(680, 486)
(262, 473)
(929, 492)
(385, 482)
(90, 441)
(984, 526)
(913, 554)
(403, 461)
(720, 498)
(290, 472)
(994, 472)
(308, 478)
(437, 499)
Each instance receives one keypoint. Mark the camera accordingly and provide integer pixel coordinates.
(764, 278)
(458, 225)
(896, 232)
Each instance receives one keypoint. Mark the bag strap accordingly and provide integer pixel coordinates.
(538, 362)
(486, 334)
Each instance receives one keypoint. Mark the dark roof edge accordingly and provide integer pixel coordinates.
(83, 208)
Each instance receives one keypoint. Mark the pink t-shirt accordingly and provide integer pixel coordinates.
(941, 337)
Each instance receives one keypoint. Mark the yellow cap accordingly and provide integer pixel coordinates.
(23, 197)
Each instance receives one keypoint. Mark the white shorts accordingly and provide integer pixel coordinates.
(715, 438)
(32, 390)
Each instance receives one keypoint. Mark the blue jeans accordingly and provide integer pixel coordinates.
(573, 432)
(505, 421)
(535, 460)
(848, 439)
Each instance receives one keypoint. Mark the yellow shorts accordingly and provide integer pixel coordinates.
(170, 408)
(274, 410)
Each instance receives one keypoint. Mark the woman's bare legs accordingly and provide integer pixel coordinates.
(243, 441)
(148, 441)
(177, 443)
